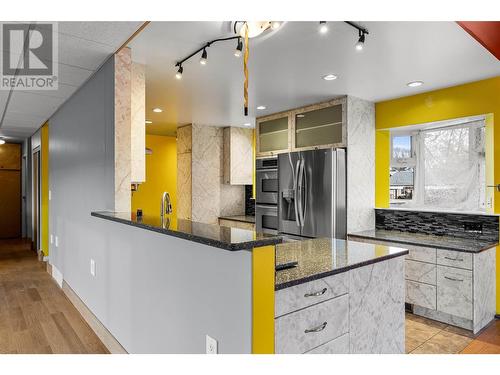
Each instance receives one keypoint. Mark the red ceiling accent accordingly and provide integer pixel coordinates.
(485, 32)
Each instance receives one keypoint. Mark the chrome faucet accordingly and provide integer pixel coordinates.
(166, 205)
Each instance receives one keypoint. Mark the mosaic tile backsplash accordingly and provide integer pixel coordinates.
(249, 201)
(479, 227)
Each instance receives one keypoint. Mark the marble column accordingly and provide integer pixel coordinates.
(360, 165)
(184, 172)
(122, 133)
(138, 125)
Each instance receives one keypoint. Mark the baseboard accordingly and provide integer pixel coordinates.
(49, 268)
(57, 276)
(102, 332)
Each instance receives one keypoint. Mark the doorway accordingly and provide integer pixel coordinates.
(10, 190)
(36, 200)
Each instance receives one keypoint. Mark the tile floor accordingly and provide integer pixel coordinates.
(424, 336)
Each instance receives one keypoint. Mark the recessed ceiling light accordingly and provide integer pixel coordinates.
(157, 110)
(275, 24)
(323, 27)
(149, 122)
(247, 124)
(261, 107)
(414, 84)
(330, 77)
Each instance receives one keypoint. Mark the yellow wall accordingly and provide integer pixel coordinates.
(45, 188)
(476, 98)
(161, 175)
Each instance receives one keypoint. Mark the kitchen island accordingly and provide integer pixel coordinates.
(175, 282)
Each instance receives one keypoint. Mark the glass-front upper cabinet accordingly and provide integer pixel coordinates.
(273, 134)
(321, 125)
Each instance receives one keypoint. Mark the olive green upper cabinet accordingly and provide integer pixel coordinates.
(320, 126)
(273, 134)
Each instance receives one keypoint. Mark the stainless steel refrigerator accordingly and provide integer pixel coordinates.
(312, 193)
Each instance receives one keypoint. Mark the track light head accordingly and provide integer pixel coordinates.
(361, 41)
(178, 75)
(203, 59)
(239, 48)
(323, 27)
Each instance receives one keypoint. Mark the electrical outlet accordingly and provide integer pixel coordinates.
(211, 345)
(57, 241)
(51, 239)
(92, 267)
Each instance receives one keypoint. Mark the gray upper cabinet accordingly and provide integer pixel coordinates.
(316, 126)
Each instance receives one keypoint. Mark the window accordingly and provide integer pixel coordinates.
(439, 167)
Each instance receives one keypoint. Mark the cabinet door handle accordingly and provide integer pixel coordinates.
(452, 278)
(316, 294)
(455, 259)
(316, 329)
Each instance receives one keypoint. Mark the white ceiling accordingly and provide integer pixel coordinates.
(82, 48)
(287, 66)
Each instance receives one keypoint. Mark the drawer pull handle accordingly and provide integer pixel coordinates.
(452, 278)
(454, 259)
(317, 329)
(317, 294)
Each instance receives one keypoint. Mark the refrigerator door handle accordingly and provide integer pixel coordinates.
(304, 205)
(300, 189)
(295, 192)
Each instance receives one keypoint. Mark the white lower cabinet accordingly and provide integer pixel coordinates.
(303, 330)
(421, 294)
(454, 291)
(340, 345)
(454, 287)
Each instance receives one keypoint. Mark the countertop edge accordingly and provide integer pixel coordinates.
(322, 275)
(237, 218)
(248, 246)
(439, 247)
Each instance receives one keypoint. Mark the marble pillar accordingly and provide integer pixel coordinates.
(138, 125)
(360, 165)
(184, 172)
(122, 133)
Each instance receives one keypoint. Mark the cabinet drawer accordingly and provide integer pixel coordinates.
(297, 297)
(421, 294)
(422, 254)
(421, 272)
(454, 291)
(454, 259)
(309, 328)
(340, 345)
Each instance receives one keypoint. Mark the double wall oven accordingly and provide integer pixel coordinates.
(267, 190)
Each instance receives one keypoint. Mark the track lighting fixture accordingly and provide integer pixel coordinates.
(323, 27)
(239, 48)
(361, 41)
(178, 75)
(203, 59)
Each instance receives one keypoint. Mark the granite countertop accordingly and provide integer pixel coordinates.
(322, 257)
(468, 245)
(209, 234)
(242, 218)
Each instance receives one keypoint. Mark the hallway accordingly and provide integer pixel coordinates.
(35, 315)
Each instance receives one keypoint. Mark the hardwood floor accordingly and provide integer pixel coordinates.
(35, 315)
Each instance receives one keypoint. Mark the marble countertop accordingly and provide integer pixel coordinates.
(208, 234)
(439, 242)
(242, 218)
(322, 257)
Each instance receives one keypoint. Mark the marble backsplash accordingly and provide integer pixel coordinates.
(438, 223)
